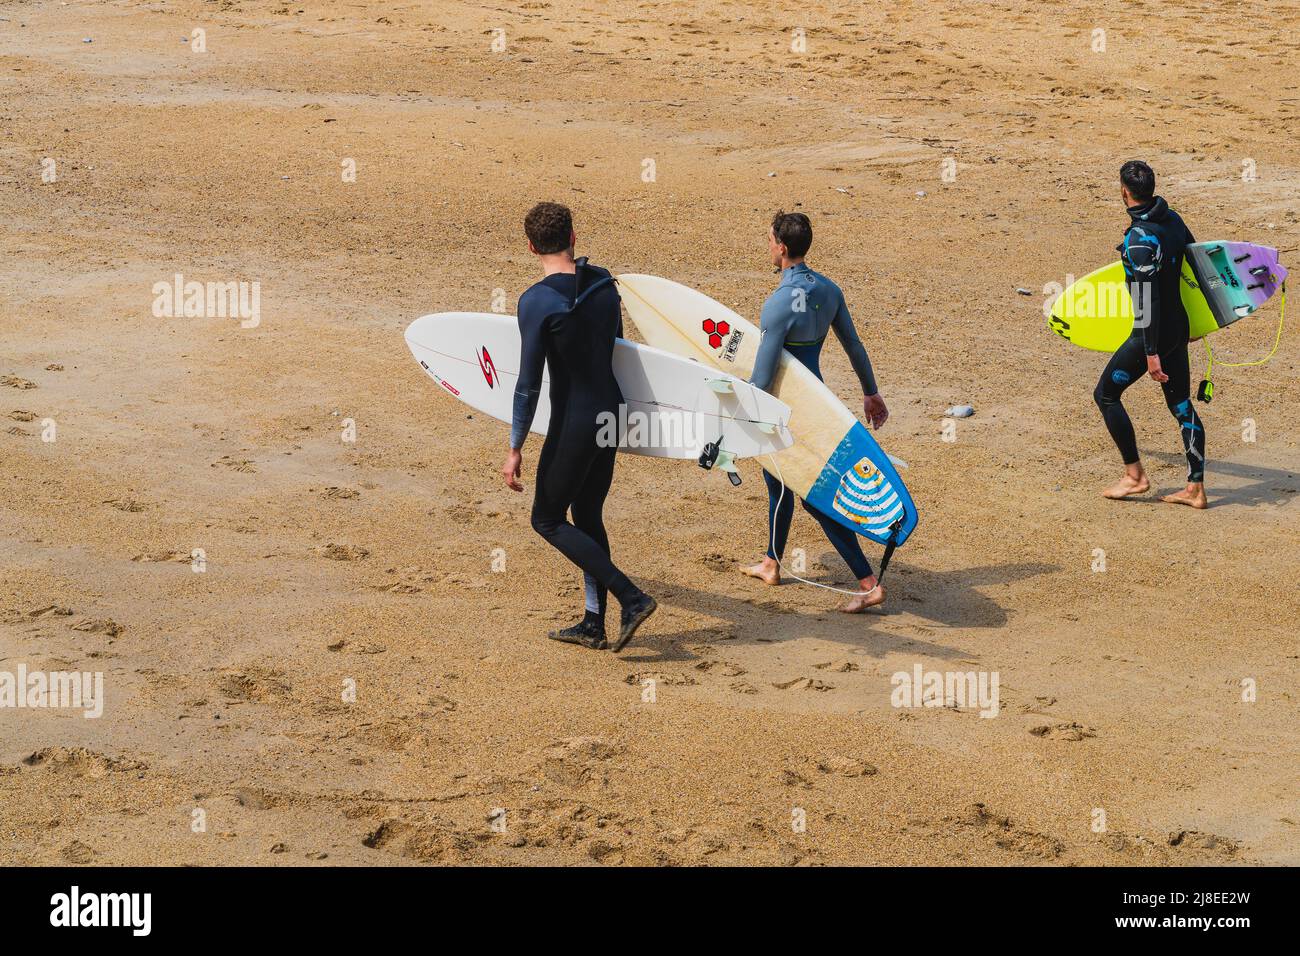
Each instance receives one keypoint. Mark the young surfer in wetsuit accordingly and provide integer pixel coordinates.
(567, 326)
(796, 317)
(1152, 253)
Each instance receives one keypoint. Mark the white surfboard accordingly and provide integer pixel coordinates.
(835, 464)
(673, 406)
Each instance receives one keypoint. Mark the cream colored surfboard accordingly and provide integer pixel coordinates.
(834, 463)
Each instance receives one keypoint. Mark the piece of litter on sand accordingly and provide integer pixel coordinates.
(1023, 291)
(960, 411)
(920, 194)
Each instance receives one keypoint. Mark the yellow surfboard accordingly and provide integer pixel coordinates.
(1096, 312)
(1222, 281)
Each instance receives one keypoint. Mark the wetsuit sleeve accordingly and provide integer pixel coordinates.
(848, 336)
(775, 322)
(532, 362)
(1144, 258)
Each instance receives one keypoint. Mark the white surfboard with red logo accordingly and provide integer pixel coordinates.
(673, 406)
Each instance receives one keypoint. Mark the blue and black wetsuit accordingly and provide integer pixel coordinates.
(567, 326)
(796, 317)
(1152, 253)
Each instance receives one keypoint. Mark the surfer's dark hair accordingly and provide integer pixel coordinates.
(549, 227)
(1139, 179)
(794, 231)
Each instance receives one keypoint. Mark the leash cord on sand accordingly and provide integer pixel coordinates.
(1277, 339)
(772, 542)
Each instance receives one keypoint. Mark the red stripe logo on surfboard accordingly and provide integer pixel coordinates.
(489, 370)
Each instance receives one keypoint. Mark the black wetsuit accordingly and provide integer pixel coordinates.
(1152, 253)
(567, 326)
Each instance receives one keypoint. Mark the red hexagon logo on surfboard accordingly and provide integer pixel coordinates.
(489, 369)
(715, 331)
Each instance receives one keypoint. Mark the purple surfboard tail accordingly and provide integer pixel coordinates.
(1236, 278)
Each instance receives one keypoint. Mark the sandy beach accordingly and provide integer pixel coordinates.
(320, 615)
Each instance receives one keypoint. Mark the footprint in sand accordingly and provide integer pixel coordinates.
(1039, 706)
(343, 552)
(793, 779)
(804, 683)
(158, 557)
(110, 629)
(724, 668)
(80, 762)
(1070, 732)
(1004, 833)
(340, 494)
(717, 562)
(254, 684)
(846, 766)
(77, 852)
(1196, 840)
(235, 464)
(662, 679)
(837, 667)
(51, 610)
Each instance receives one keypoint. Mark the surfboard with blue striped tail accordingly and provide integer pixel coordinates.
(834, 463)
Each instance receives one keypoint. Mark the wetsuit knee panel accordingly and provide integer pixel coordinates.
(1184, 411)
(544, 524)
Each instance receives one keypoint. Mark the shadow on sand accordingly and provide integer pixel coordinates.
(753, 615)
(1263, 486)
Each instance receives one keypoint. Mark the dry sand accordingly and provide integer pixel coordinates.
(371, 561)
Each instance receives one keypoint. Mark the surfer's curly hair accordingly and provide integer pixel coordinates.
(549, 227)
(794, 231)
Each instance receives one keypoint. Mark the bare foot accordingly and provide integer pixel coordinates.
(1128, 485)
(1193, 496)
(863, 600)
(767, 571)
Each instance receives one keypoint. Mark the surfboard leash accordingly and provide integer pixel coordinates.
(890, 545)
(1205, 392)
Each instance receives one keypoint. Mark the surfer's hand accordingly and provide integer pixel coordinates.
(1153, 366)
(873, 406)
(510, 470)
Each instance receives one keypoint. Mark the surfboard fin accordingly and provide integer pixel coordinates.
(729, 467)
(723, 386)
(714, 456)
